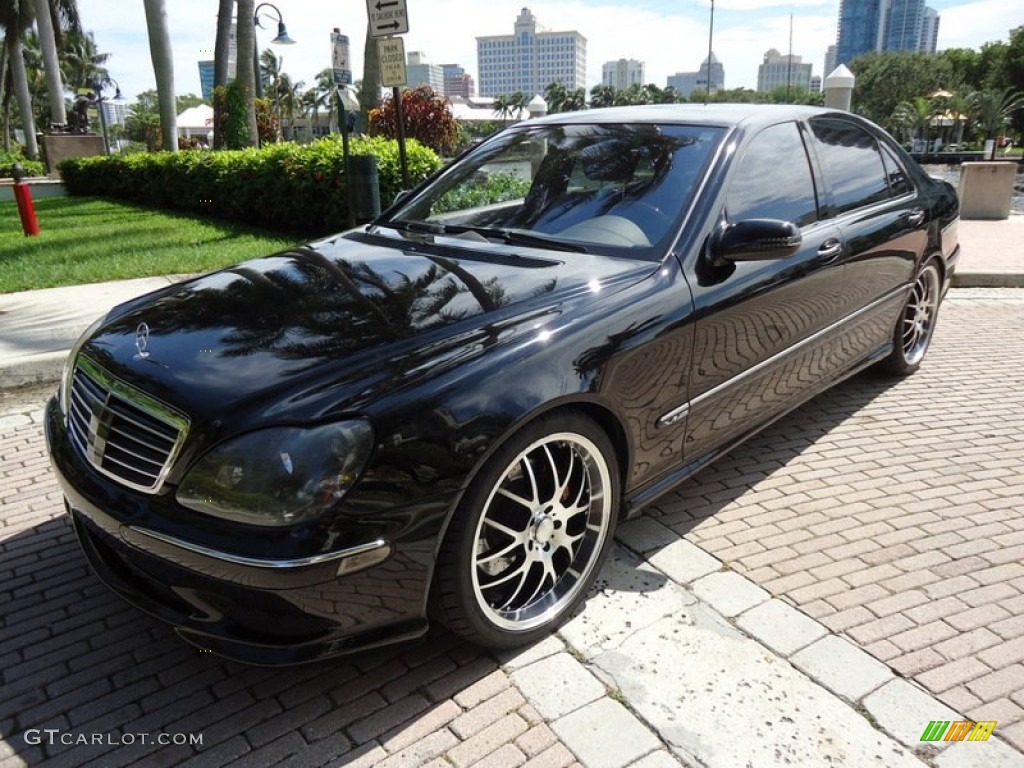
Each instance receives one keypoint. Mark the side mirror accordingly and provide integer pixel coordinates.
(754, 240)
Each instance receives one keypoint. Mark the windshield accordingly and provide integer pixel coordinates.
(609, 189)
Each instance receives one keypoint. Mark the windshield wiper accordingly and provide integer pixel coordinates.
(513, 236)
(516, 237)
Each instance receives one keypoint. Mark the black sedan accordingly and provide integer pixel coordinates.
(444, 413)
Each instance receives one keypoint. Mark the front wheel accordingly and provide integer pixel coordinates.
(913, 333)
(530, 534)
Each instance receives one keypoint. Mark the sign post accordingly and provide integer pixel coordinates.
(343, 76)
(391, 51)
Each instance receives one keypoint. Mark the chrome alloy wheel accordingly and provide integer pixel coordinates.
(919, 315)
(542, 531)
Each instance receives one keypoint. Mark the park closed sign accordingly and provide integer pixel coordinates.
(391, 51)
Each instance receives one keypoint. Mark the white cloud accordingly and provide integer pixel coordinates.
(668, 36)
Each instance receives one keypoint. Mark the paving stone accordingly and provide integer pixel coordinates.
(604, 734)
(780, 626)
(644, 534)
(729, 593)
(903, 710)
(489, 739)
(557, 685)
(521, 657)
(842, 667)
(683, 561)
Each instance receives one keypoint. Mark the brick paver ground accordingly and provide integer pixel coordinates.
(75, 658)
(891, 512)
(894, 512)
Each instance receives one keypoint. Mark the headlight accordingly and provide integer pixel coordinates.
(64, 388)
(279, 476)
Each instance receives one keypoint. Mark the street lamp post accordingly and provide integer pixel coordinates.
(282, 39)
(118, 99)
(711, 35)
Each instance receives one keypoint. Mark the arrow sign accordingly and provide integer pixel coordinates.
(387, 17)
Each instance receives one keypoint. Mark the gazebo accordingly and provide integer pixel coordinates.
(197, 121)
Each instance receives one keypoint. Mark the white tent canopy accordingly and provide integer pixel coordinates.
(196, 121)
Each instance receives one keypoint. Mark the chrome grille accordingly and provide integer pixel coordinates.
(123, 432)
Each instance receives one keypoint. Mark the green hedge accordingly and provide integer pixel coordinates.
(31, 167)
(289, 187)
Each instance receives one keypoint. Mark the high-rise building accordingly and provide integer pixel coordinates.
(885, 25)
(929, 31)
(528, 60)
(419, 71)
(622, 73)
(709, 78)
(457, 81)
(778, 70)
(206, 67)
(830, 61)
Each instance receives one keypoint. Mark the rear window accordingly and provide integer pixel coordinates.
(852, 164)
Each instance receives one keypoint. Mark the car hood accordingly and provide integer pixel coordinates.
(333, 323)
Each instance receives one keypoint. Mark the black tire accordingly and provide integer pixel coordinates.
(530, 534)
(916, 323)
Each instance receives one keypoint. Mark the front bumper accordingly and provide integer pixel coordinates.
(253, 610)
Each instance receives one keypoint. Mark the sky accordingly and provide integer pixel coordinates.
(668, 36)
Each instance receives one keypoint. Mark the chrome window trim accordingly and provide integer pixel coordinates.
(677, 413)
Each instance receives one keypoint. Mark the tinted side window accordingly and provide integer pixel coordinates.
(898, 182)
(852, 164)
(773, 180)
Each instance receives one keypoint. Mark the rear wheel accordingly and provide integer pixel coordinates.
(913, 333)
(530, 534)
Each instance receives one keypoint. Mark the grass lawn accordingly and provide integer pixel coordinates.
(89, 240)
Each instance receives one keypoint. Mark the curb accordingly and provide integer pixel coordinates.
(43, 368)
(987, 280)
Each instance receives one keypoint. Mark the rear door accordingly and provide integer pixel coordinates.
(883, 224)
(757, 348)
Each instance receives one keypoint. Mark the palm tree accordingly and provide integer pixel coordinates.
(555, 95)
(914, 117)
(81, 63)
(575, 100)
(45, 13)
(16, 18)
(369, 93)
(245, 68)
(222, 44)
(503, 107)
(163, 67)
(602, 96)
(994, 110)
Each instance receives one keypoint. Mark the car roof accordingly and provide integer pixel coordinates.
(693, 114)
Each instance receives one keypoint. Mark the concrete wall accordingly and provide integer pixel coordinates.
(986, 189)
(61, 146)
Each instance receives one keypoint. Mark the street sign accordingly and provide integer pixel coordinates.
(387, 17)
(391, 51)
(340, 59)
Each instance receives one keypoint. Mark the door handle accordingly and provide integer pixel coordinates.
(830, 249)
(916, 217)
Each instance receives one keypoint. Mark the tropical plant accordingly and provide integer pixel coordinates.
(245, 70)
(913, 119)
(427, 117)
(81, 63)
(602, 96)
(555, 94)
(369, 88)
(995, 110)
(47, 12)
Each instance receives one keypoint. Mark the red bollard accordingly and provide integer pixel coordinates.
(23, 196)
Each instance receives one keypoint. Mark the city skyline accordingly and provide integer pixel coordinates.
(668, 36)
